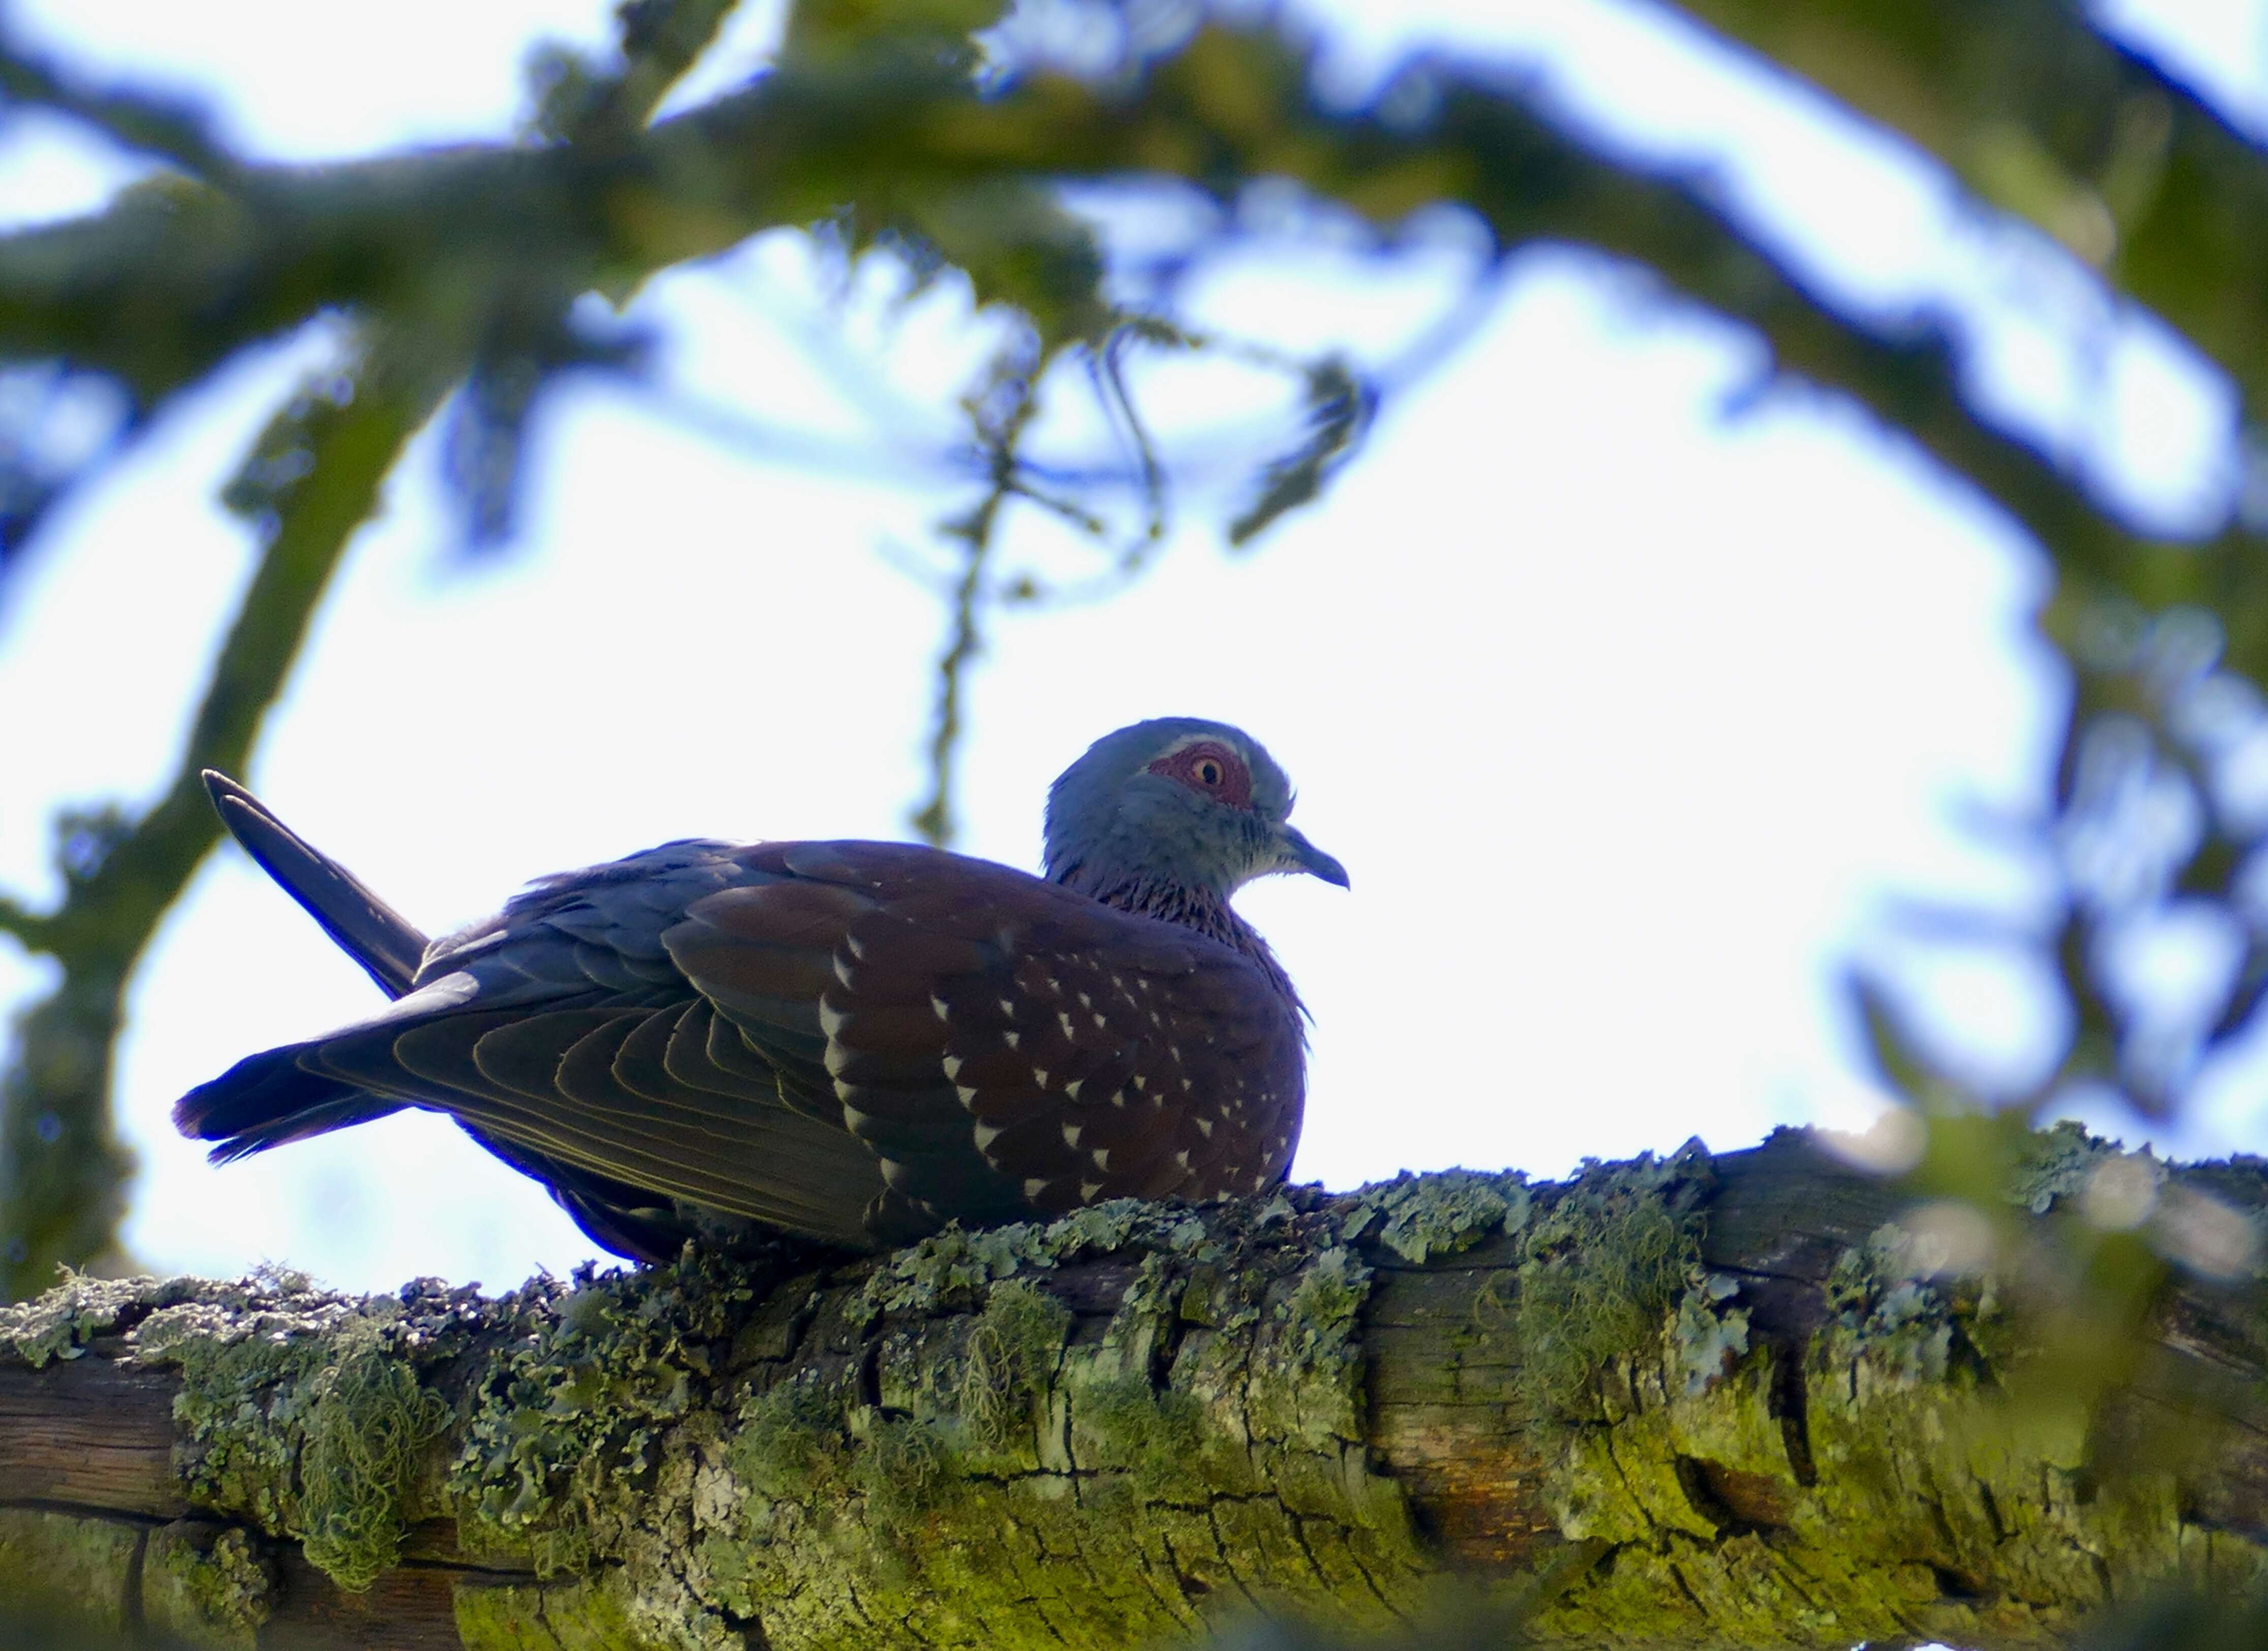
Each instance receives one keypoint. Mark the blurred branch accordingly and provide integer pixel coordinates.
(580, 103)
(999, 427)
(310, 482)
(26, 926)
(147, 122)
(2045, 116)
(1339, 410)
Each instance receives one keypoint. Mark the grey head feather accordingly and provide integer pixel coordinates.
(1111, 821)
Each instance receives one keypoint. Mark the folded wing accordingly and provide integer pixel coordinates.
(857, 1042)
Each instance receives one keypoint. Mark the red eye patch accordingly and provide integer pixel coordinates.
(1210, 767)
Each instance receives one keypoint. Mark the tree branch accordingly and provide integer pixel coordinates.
(145, 121)
(62, 1168)
(2042, 115)
(1667, 1404)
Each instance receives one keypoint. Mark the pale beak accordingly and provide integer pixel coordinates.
(1299, 855)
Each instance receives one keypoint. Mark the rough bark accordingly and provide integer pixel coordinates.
(1693, 1402)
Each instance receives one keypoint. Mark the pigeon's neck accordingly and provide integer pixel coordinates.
(1209, 914)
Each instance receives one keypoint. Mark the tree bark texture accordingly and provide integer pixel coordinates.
(1694, 1402)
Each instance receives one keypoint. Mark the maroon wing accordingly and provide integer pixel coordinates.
(855, 1041)
(561, 1035)
(1004, 1046)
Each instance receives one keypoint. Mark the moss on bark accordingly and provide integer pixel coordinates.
(1680, 1401)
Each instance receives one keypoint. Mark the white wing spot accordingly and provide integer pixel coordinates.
(1070, 1089)
(842, 969)
(1070, 1134)
(937, 1004)
(1182, 1158)
(1054, 985)
(1260, 1184)
(1035, 1186)
(1141, 1083)
(1085, 1002)
(1087, 1189)
(1118, 1097)
(831, 1022)
(1013, 1038)
(1039, 1076)
(968, 1095)
(1008, 1006)
(987, 1133)
(1204, 1125)
(1104, 1024)
(1065, 1019)
(1102, 1156)
(1174, 1050)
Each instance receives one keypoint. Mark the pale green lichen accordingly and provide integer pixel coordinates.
(61, 1322)
(1028, 1478)
(1707, 1337)
(1602, 1266)
(302, 1410)
(2057, 1162)
(366, 1437)
(306, 1421)
(206, 1586)
(1418, 1217)
(788, 1439)
(560, 1447)
(1156, 1439)
(1098, 1431)
(1011, 1356)
(1882, 1296)
(954, 1270)
(1731, 1498)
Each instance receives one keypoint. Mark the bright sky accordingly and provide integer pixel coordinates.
(1628, 699)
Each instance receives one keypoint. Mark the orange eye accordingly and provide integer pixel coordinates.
(1208, 771)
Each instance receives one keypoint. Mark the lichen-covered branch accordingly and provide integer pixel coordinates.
(1703, 1401)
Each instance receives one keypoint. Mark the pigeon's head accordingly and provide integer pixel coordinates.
(1181, 802)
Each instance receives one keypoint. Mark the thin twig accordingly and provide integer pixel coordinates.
(27, 927)
(145, 121)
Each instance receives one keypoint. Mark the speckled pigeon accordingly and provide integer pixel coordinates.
(853, 1042)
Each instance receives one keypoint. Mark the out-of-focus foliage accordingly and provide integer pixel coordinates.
(946, 135)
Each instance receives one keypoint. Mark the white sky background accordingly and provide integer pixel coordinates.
(1628, 701)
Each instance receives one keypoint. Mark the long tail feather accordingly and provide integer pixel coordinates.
(374, 934)
(271, 1098)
